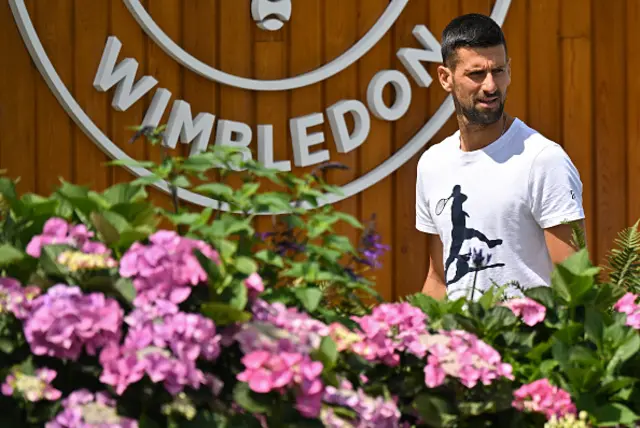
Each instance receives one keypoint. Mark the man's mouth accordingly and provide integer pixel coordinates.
(489, 102)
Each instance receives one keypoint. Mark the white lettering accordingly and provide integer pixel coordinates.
(402, 95)
(265, 149)
(122, 75)
(302, 140)
(362, 124)
(157, 108)
(235, 134)
(182, 124)
(411, 58)
(280, 9)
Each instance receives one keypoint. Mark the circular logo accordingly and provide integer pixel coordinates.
(271, 15)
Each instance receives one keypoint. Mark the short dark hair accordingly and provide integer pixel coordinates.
(473, 31)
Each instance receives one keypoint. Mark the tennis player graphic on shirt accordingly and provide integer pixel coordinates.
(460, 233)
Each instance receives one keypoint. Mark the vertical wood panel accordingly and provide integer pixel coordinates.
(544, 57)
(576, 94)
(133, 46)
(632, 58)
(609, 95)
(341, 32)
(515, 29)
(18, 107)
(54, 143)
(91, 32)
(410, 245)
(377, 147)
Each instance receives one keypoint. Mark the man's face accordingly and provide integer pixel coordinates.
(478, 83)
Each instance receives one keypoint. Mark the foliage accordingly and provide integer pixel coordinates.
(114, 309)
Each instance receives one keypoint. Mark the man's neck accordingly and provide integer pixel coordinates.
(475, 137)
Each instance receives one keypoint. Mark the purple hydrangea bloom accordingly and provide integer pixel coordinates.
(164, 344)
(34, 387)
(167, 268)
(83, 409)
(58, 231)
(64, 321)
(16, 299)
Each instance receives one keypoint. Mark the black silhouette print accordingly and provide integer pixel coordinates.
(460, 233)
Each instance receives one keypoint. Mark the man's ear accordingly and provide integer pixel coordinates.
(445, 76)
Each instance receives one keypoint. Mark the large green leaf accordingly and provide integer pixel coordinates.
(249, 400)
(542, 295)
(432, 408)
(594, 326)
(10, 254)
(614, 414)
(309, 297)
(270, 258)
(627, 350)
(124, 193)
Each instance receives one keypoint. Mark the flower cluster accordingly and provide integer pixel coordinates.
(542, 397)
(163, 343)
(64, 321)
(627, 305)
(463, 356)
(16, 299)
(568, 421)
(77, 260)
(267, 371)
(531, 311)
(370, 412)
(391, 328)
(57, 231)
(167, 268)
(34, 387)
(83, 409)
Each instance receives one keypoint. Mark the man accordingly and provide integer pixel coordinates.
(496, 198)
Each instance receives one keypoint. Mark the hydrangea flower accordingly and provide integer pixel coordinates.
(64, 321)
(254, 285)
(58, 231)
(531, 311)
(392, 328)
(167, 268)
(370, 412)
(83, 409)
(164, 344)
(542, 397)
(34, 387)
(627, 305)
(463, 356)
(16, 299)
(77, 260)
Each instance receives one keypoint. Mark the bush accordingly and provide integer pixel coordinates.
(114, 310)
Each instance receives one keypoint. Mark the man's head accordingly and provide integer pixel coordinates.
(476, 67)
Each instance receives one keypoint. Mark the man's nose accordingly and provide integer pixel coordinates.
(489, 85)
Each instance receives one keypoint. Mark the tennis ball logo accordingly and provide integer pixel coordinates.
(271, 15)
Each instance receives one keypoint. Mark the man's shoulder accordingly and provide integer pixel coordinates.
(539, 147)
(435, 153)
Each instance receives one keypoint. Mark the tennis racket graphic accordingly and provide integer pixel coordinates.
(441, 204)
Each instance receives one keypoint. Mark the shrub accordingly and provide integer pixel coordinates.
(114, 310)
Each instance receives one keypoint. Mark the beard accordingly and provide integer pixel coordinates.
(479, 117)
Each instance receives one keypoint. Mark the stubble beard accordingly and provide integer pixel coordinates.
(477, 117)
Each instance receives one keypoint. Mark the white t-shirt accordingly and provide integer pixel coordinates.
(498, 201)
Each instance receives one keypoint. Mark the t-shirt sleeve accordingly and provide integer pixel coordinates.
(555, 188)
(424, 222)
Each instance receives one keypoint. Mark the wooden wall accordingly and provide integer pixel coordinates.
(574, 64)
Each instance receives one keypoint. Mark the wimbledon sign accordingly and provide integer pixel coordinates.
(197, 132)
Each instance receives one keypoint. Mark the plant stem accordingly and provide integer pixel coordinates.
(473, 289)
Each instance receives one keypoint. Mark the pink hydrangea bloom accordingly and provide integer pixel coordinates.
(16, 299)
(370, 412)
(64, 321)
(542, 397)
(34, 387)
(167, 268)
(254, 285)
(83, 409)
(461, 355)
(531, 311)
(392, 328)
(58, 231)
(627, 305)
(164, 344)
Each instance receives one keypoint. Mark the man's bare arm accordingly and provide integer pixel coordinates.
(559, 241)
(434, 285)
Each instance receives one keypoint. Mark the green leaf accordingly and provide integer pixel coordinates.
(309, 297)
(594, 326)
(108, 231)
(499, 317)
(432, 409)
(223, 314)
(49, 259)
(249, 189)
(79, 197)
(199, 163)
(327, 353)
(10, 254)
(122, 193)
(132, 162)
(125, 287)
(212, 269)
(627, 350)
(348, 218)
(7, 346)
(246, 265)
(542, 295)
(236, 295)
(218, 190)
(270, 258)
(248, 400)
(614, 414)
